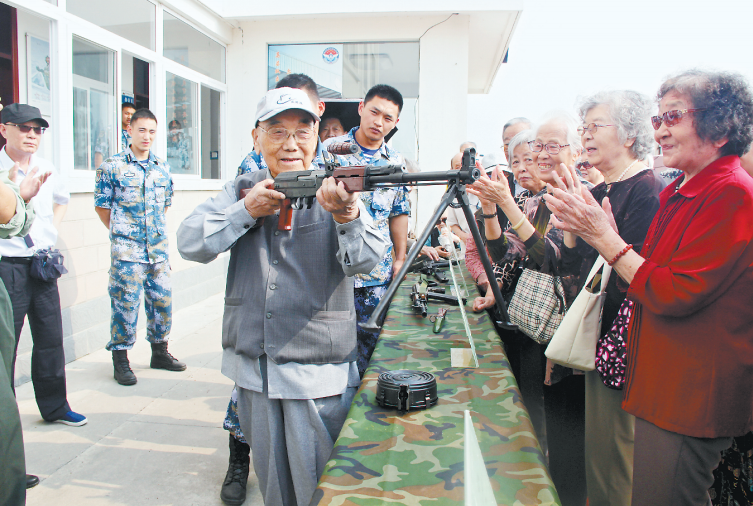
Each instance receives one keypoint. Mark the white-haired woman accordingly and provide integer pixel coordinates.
(617, 137)
(547, 389)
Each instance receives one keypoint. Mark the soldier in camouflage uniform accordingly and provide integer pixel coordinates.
(389, 207)
(133, 190)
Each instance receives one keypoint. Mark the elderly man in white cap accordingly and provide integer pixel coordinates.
(289, 329)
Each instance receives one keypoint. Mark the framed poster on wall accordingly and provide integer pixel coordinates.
(38, 73)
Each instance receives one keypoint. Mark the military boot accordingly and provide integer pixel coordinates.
(123, 373)
(161, 359)
(234, 487)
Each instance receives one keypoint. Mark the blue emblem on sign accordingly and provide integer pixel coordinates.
(330, 55)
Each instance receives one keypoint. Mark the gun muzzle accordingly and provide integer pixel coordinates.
(342, 148)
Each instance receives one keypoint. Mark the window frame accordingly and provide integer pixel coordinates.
(63, 27)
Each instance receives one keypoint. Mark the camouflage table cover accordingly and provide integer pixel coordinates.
(384, 457)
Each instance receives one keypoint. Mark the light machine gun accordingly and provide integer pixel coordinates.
(299, 188)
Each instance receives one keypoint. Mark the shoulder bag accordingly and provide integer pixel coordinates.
(537, 305)
(46, 264)
(611, 350)
(574, 342)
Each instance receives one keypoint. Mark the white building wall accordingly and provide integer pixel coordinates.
(444, 84)
(83, 241)
(82, 238)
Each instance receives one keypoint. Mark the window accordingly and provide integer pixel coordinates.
(344, 73)
(131, 19)
(182, 129)
(94, 126)
(188, 46)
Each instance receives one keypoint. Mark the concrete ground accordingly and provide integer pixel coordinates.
(158, 442)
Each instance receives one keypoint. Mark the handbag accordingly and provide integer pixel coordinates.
(46, 264)
(611, 350)
(538, 305)
(574, 342)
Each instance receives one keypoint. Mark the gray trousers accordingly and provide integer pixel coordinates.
(673, 469)
(610, 433)
(291, 441)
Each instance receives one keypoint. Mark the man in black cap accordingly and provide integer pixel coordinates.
(23, 127)
(16, 216)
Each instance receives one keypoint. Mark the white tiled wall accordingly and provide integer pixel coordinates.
(84, 242)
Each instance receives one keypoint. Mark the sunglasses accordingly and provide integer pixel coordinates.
(671, 118)
(27, 128)
(585, 165)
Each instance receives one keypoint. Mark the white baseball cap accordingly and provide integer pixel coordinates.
(282, 99)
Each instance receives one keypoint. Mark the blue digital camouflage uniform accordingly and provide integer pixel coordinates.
(137, 194)
(232, 423)
(383, 204)
(125, 140)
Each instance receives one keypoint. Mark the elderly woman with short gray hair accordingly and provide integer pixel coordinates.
(690, 345)
(617, 136)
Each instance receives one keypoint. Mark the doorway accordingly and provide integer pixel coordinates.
(8, 58)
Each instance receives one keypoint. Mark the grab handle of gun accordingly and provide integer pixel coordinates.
(286, 213)
(286, 216)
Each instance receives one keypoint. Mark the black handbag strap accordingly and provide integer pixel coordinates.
(28, 241)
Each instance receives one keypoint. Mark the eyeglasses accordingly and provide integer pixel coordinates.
(591, 127)
(26, 128)
(671, 118)
(551, 147)
(585, 165)
(278, 135)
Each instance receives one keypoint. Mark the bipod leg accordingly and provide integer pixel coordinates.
(381, 308)
(462, 198)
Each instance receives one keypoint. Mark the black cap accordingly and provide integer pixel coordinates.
(21, 113)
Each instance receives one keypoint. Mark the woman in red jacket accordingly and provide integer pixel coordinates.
(690, 345)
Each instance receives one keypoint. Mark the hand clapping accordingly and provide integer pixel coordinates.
(575, 210)
(495, 190)
(29, 187)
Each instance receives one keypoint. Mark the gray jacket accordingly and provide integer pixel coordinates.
(288, 294)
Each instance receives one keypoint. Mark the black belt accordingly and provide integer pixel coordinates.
(17, 260)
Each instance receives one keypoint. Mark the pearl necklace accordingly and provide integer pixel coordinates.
(609, 185)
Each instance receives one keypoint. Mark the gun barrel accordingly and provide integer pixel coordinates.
(447, 299)
(463, 176)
